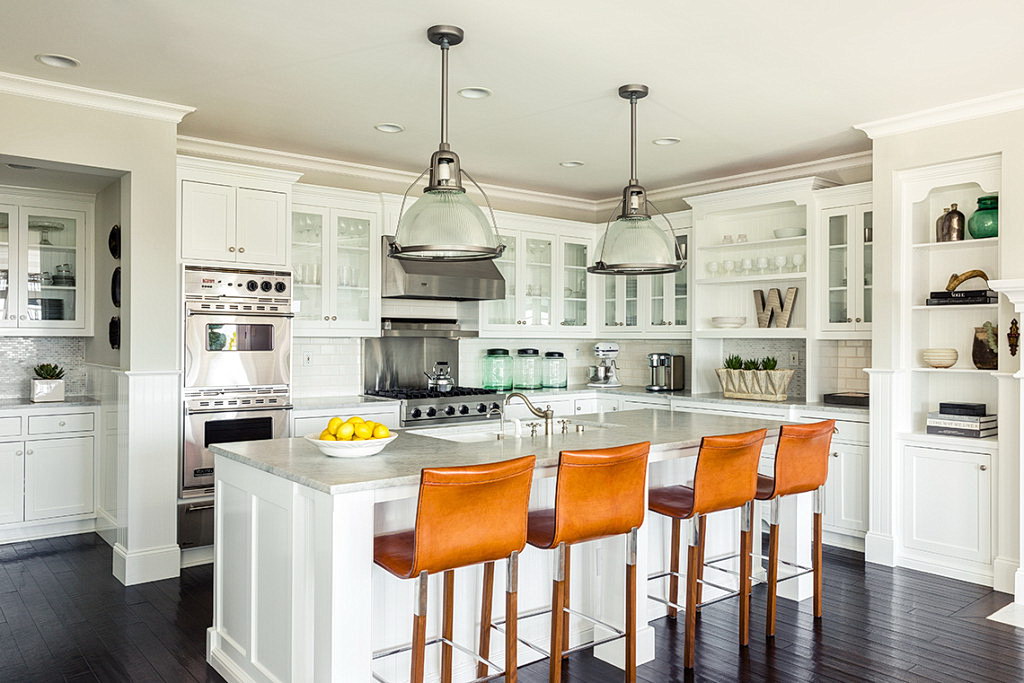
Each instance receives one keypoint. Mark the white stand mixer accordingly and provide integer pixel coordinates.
(605, 373)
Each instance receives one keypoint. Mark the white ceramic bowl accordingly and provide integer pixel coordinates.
(782, 233)
(728, 321)
(940, 358)
(350, 449)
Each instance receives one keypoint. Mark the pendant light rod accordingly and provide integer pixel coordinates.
(633, 92)
(444, 94)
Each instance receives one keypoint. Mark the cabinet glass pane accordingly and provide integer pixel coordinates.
(658, 300)
(353, 268)
(503, 312)
(868, 258)
(679, 284)
(574, 281)
(632, 318)
(5, 265)
(307, 265)
(838, 239)
(539, 272)
(52, 278)
(611, 288)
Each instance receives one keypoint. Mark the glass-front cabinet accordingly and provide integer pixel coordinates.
(847, 245)
(44, 267)
(574, 303)
(652, 304)
(335, 257)
(529, 267)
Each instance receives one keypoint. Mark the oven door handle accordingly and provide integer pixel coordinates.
(239, 314)
(198, 508)
(235, 409)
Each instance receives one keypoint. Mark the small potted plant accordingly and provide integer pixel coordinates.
(48, 384)
(758, 379)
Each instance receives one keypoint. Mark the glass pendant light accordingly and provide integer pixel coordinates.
(634, 244)
(443, 224)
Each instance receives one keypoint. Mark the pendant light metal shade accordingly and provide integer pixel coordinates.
(443, 224)
(634, 244)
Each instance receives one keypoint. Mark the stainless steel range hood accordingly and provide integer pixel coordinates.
(447, 280)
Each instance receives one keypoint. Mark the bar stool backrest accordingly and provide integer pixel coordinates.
(470, 515)
(726, 474)
(600, 492)
(801, 458)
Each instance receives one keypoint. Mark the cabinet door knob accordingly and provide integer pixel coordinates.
(849, 320)
(23, 317)
(17, 452)
(28, 452)
(241, 250)
(834, 454)
(231, 249)
(12, 317)
(980, 467)
(858, 319)
(62, 423)
(327, 317)
(334, 317)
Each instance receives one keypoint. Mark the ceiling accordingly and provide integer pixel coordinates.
(746, 85)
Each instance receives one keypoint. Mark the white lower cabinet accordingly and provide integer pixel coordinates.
(846, 490)
(560, 407)
(12, 477)
(947, 503)
(600, 404)
(58, 478)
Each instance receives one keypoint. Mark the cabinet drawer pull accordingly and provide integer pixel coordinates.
(980, 467)
(231, 249)
(241, 250)
(834, 454)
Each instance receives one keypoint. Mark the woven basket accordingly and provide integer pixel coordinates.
(760, 385)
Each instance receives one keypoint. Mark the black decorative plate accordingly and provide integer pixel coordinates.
(115, 286)
(114, 332)
(114, 241)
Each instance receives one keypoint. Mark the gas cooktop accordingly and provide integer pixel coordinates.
(429, 406)
(413, 393)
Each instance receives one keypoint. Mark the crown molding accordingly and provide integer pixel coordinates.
(843, 195)
(750, 178)
(303, 162)
(999, 103)
(767, 193)
(192, 165)
(37, 88)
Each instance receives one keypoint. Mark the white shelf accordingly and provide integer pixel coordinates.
(965, 442)
(351, 288)
(52, 247)
(768, 277)
(754, 243)
(67, 288)
(954, 307)
(954, 371)
(961, 244)
(307, 285)
(307, 244)
(753, 332)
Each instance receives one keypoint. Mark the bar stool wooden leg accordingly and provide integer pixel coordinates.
(700, 562)
(447, 626)
(511, 620)
(773, 567)
(692, 560)
(745, 543)
(419, 630)
(565, 604)
(631, 606)
(816, 551)
(673, 579)
(557, 600)
(486, 600)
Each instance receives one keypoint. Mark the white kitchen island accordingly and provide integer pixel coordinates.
(298, 598)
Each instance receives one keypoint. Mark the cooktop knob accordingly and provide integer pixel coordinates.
(450, 410)
(495, 406)
(252, 285)
(279, 287)
(464, 410)
(481, 408)
(416, 412)
(431, 412)
(266, 285)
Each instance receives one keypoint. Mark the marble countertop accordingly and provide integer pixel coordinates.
(312, 403)
(400, 463)
(68, 402)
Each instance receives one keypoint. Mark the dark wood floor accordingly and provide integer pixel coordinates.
(63, 617)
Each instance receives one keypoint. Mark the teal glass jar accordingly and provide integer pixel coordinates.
(985, 221)
(497, 370)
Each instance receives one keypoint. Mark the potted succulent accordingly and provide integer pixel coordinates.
(753, 378)
(48, 384)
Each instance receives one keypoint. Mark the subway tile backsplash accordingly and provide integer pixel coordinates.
(18, 355)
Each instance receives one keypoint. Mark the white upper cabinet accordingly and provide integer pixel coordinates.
(845, 235)
(233, 213)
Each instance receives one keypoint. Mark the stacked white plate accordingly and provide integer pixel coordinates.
(783, 233)
(728, 321)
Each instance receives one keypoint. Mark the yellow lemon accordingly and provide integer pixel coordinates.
(358, 438)
(381, 432)
(345, 431)
(327, 436)
(355, 420)
(371, 424)
(363, 432)
(343, 437)
(333, 425)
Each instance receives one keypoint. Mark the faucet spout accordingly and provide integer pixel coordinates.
(547, 414)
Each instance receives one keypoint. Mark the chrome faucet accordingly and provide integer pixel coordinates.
(547, 414)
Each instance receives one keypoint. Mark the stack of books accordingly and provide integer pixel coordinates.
(962, 419)
(963, 297)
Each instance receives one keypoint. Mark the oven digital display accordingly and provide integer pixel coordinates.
(238, 429)
(236, 337)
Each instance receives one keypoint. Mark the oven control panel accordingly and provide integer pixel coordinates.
(237, 283)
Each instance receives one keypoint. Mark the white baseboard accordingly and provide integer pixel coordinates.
(880, 549)
(152, 564)
(221, 663)
(36, 530)
(193, 557)
(1004, 572)
(855, 543)
(980, 577)
(1018, 585)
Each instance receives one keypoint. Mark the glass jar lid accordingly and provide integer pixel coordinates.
(497, 352)
(554, 354)
(528, 352)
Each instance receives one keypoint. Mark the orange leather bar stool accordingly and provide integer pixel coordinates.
(725, 478)
(598, 494)
(465, 516)
(801, 466)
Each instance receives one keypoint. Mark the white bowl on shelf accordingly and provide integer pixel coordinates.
(783, 233)
(940, 358)
(728, 321)
(350, 449)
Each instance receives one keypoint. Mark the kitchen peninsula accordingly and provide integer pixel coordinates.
(297, 596)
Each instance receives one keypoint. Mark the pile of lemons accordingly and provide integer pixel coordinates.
(353, 429)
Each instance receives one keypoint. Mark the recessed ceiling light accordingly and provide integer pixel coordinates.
(22, 167)
(665, 141)
(389, 127)
(475, 93)
(58, 61)
(570, 164)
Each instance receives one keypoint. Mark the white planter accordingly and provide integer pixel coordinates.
(44, 390)
(760, 385)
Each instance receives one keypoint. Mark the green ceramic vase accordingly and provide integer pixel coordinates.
(985, 221)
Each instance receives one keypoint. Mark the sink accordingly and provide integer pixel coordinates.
(488, 431)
